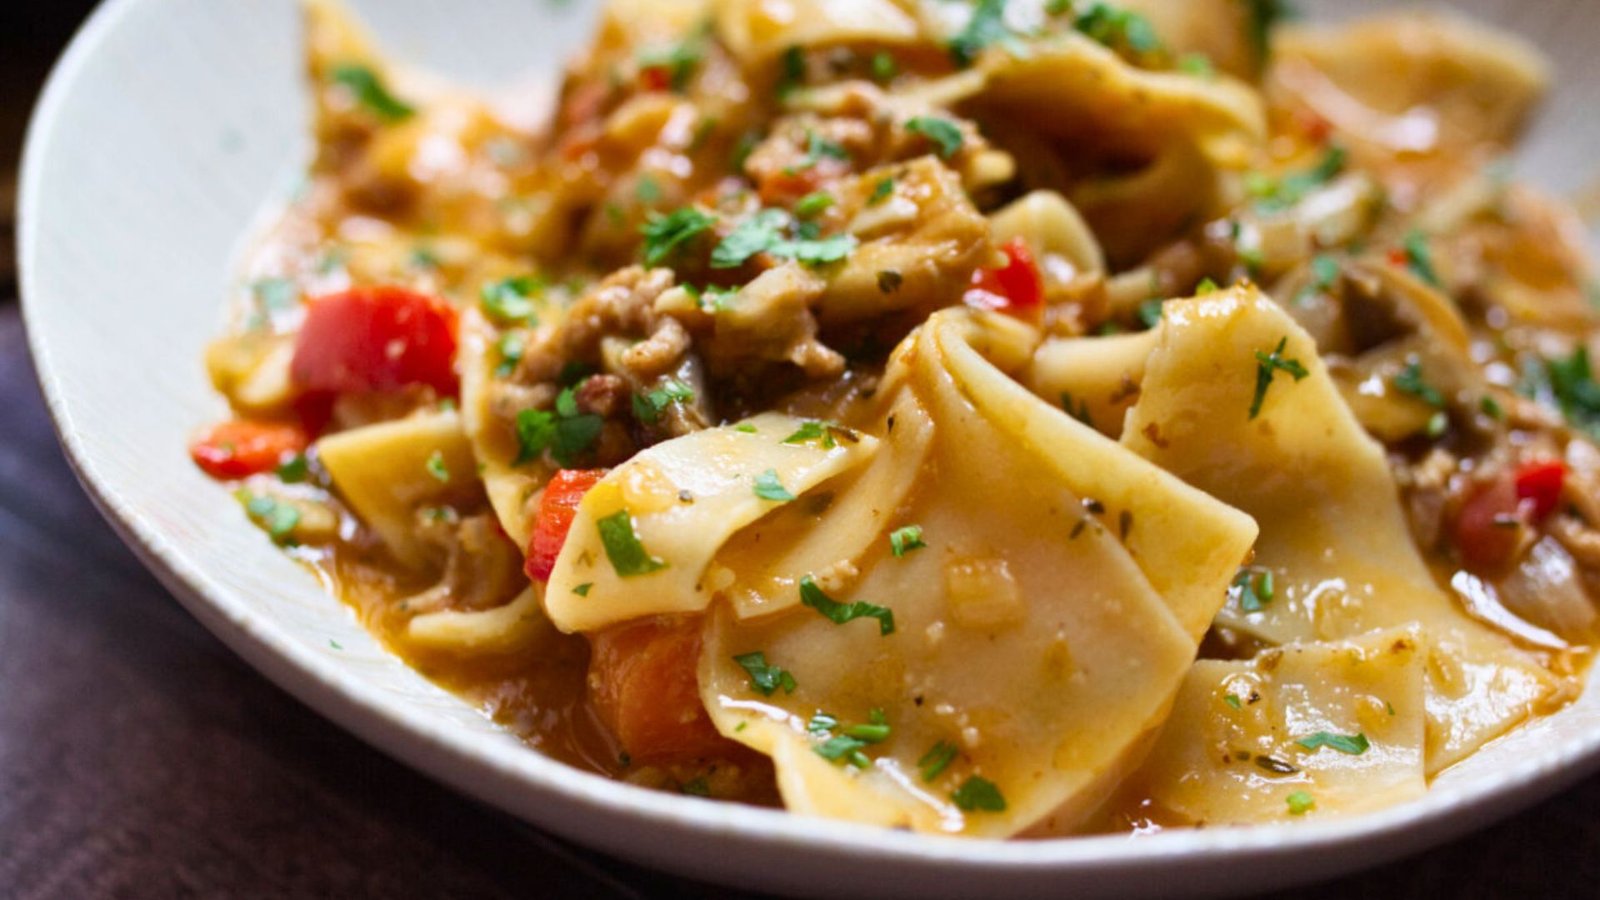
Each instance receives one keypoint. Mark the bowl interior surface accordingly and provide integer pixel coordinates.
(169, 126)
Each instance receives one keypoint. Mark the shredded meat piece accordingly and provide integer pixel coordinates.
(603, 395)
(770, 321)
(481, 566)
(1426, 488)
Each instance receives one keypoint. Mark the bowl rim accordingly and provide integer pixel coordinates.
(546, 792)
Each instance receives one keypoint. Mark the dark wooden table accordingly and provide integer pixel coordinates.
(139, 758)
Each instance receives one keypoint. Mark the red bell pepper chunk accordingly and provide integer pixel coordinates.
(376, 339)
(239, 448)
(1488, 528)
(557, 508)
(1539, 483)
(1016, 288)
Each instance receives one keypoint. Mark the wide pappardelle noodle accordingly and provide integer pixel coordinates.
(986, 418)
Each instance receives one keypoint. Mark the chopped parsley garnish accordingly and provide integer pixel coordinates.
(818, 432)
(936, 760)
(1253, 588)
(1150, 312)
(566, 432)
(278, 518)
(822, 723)
(294, 470)
(1119, 29)
(511, 346)
(628, 556)
(1264, 16)
(881, 191)
(978, 793)
(649, 406)
(818, 148)
(840, 613)
(1419, 259)
(813, 204)
(436, 467)
(768, 487)
(583, 590)
(764, 232)
(987, 26)
(745, 428)
(1267, 367)
(1275, 195)
(1410, 381)
(677, 62)
(844, 747)
(1491, 408)
(889, 281)
(1080, 412)
(942, 132)
(370, 91)
(904, 540)
(1300, 803)
(754, 235)
(1353, 744)
(1206, 287)
(647, 190)
(1324, 272)
(664, 235)
(510, 300)
(1568, 384)
(275, 294)
(765, 679)
(792, 72)
(884, 68)
(1232, 700)
(874, 731)
(1197, 64)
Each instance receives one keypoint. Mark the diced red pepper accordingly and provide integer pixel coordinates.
(655, 78)
(557, 508)
(376, 339)
(239, 448)
(1539, 484)
(645, 686)
(1016, 288)
(1488, 528)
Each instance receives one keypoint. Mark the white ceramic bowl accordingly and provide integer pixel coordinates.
(166, 126)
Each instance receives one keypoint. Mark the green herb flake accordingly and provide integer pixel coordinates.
(1233, 701)
(1568, 384)
(566, 432)
(881, 191)
(813, 204)
(765, 679)
(936, 760)
(1150, 312)
(294, 470)
(370, 91)
(1197, 64)
(647, 190)
(1267, 367)
(904, 540)
(1352, 744)
(1119, 29)
(677, 62)
(842, 747)
(436, 467)
(1419, 258)
(278, 518)
(745, 428)
(583, 590)
(649, 406)
(945, 134)
(511, 346)
(754, 235)
(275, 294)
(1079, 412)
(1253, 589)
(884, 68)
(987, 26)
(978, 793)
(1410, 381)
(1276, 195)
(839, 613)
(1491, 408)
(817, 432)
(1324, 272)
(1206, 287)
(768, 487)
(665, 235)
(510, 300)
(628, 556)
(1300, 803)
(791, 73)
